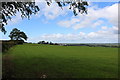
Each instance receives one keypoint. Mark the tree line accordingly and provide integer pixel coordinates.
(45, 42)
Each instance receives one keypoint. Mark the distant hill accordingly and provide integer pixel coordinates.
(92, 44)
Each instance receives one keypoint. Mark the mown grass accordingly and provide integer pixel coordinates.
(35, 60)
(0, 64)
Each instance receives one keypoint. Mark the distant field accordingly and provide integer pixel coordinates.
(53, 61)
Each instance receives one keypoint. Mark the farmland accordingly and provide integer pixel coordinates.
(54, 61)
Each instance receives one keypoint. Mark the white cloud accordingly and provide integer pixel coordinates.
(69, 23)
(51, 12)
(97, 23)
(104, 27)
(92, 19)
(101, 36)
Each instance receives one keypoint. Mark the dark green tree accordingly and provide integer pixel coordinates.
(41, 42)
(9, 9)
(16, 34)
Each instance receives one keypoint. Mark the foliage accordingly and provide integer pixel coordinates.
(45, 42)
(75, 5)
(10, 9)
(41, 42)
(26, 9)
(16, 34)
(7, 44)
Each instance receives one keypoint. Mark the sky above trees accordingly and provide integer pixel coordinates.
(57, 25)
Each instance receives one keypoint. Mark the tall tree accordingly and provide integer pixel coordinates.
(9, 9)
(16, 34)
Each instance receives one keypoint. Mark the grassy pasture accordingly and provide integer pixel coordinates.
(35, 60)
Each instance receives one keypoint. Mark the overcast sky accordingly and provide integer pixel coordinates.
(52, 23)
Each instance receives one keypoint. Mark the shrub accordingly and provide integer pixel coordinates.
(6, 44)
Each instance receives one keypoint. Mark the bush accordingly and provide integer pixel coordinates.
(6, 44)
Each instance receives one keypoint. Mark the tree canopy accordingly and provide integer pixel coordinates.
(9, 9)
(16, 34)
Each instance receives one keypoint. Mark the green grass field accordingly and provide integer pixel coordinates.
(35, 60)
